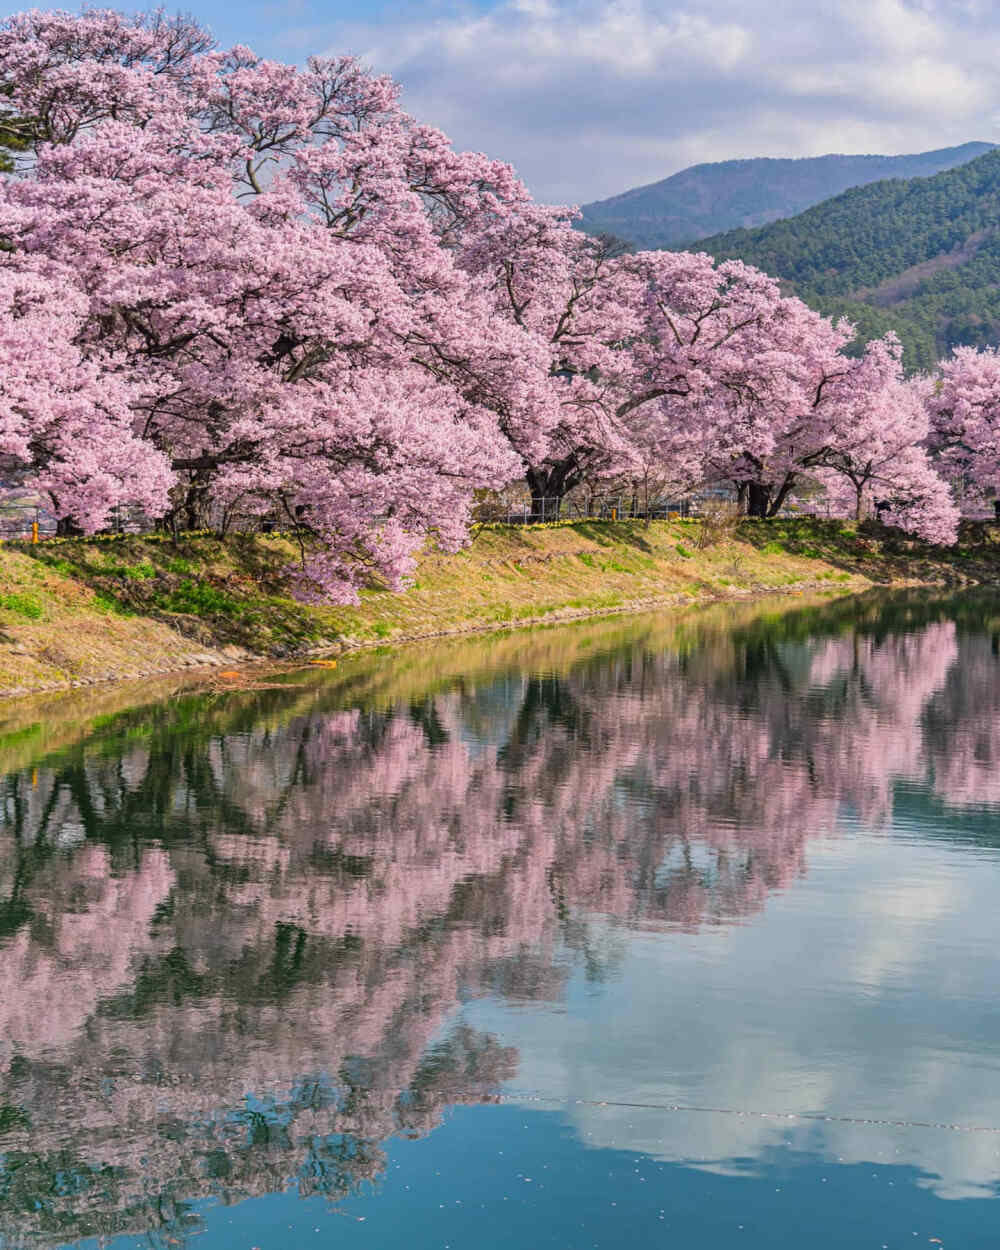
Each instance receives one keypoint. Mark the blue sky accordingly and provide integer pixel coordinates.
(590, 97)
(288, 30)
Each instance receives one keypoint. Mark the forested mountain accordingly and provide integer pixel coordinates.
(921, 257)
(708, 198)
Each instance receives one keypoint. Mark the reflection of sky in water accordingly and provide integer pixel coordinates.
(512, 1176)
(893, 1016)
(750, 865)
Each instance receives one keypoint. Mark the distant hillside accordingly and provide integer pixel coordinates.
(920, 256)
(707, 199)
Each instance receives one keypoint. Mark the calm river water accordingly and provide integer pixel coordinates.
(678, 931)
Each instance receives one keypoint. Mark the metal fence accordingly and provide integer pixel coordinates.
(607, 508)
(24, 518)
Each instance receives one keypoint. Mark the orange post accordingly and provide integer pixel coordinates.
(34, 531)
(614, 514)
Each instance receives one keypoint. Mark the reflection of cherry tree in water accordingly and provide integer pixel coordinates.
(963, 727)
(190, 919)
(139, 1151)
(230, 961)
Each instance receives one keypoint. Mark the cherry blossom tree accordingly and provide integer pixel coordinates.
(737, 363)
(658, 357)
(877, 446)
(965, 420)
(837, 416)
(672, 367)
(261, 260)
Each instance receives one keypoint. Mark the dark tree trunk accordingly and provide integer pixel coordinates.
(549, 484)
(758, 499)
(66, 527)
(777, 500)
(196, 500)
(741, 497)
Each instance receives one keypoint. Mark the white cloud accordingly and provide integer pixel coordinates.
(588, 98)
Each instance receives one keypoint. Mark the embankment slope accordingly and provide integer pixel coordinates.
(79, 611)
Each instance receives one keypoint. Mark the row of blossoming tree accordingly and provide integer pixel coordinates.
(228, 280)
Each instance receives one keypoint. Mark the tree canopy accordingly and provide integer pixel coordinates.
(229, 281)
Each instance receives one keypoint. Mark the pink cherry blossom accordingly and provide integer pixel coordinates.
(964, 408)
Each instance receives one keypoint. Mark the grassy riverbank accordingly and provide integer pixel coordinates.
(191, 706)
(79, 611)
